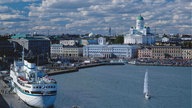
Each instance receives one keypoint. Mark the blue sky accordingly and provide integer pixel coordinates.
(85, 16)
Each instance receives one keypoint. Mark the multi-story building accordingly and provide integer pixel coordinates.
(162, 52)
(110, 51)
(38, 46)
(56, 50)
(187, 53)
(72, 51)
(145, 53)
(60, 51)
(6, 48)
(69, 42)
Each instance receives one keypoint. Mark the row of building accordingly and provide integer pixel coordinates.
(102, 50)
(162, 52)
(44, 48)
(133, 47)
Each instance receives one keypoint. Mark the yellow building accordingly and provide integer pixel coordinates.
(187, 53)
(145, 53)
(162, 52)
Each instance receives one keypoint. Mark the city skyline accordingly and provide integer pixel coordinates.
(97, 16)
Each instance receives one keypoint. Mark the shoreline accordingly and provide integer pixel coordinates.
(147, 64)
(76, 69)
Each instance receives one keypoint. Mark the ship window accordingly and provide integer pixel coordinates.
(36, 92)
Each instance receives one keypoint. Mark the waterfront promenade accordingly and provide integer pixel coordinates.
(9, 99)
(75, 69)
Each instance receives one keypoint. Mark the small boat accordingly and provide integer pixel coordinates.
(145, 90)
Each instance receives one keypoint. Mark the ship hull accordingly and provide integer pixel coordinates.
(40, 101)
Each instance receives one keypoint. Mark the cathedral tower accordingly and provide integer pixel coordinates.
(139, 23)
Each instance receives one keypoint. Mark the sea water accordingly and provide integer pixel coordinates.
(122, 87)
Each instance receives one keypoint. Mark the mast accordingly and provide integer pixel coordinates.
(145, 91)
(23, 54)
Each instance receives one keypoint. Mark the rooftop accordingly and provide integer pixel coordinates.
(140, 17)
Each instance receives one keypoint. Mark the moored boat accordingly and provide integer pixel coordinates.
(33, 86)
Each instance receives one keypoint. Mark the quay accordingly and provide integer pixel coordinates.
(75, 69)
(9, 99)
(62, 71)
(98, 64)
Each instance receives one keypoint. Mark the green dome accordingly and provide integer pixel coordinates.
(140, 17)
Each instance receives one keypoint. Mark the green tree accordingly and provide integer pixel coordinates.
(119, 40)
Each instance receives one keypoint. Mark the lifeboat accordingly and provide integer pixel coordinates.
(22, 79)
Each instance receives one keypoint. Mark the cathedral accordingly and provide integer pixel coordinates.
(139, 34)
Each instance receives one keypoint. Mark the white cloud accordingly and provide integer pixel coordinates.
(8, 16)
(4, 9)
(14, 1)
(98, 15)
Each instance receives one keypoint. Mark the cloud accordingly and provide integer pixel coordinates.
(14, 1)
(10, 17)
(81, 16)
(4, 9)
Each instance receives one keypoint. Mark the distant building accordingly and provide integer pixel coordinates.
(140, 34)
(34, 46)
(187, 53)
(186, 38)
(162, 52)
(110, 51)
(56, 50)
(165, 39)
(88, 42)
(6, 48)
(72, 51)
(69, 42)
(60, 51)
(145, 53)
(101, 41)
(37, 45)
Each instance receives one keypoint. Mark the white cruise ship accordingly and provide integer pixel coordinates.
(33, 86)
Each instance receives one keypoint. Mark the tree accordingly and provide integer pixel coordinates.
(119, 39)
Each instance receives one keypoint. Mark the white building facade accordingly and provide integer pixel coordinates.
(69, 42)
(139, 34)
(56, 50)
(110, 51)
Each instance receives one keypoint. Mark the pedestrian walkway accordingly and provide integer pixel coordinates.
(8, 99)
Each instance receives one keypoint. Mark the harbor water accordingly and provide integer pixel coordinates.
(122, 87)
